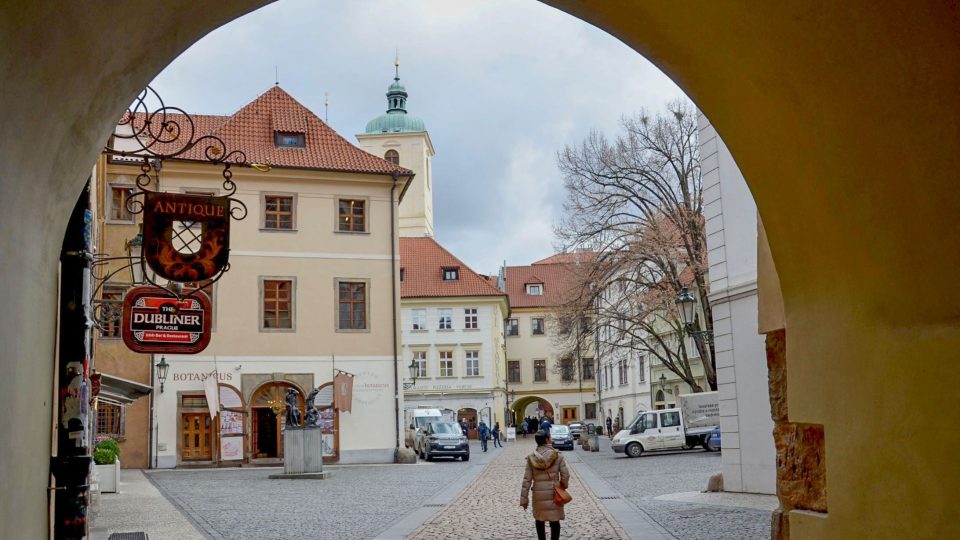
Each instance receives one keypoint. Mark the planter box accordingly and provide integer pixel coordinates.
(109, 477)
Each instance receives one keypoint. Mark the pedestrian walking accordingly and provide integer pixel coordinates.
(545, 424)
(463, 426)
(545, 466)
(483, 432)
(496, 435)
(609, 427)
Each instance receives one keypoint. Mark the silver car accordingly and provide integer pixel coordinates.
(561, 437)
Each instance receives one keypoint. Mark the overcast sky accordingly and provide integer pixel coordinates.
(502, 85)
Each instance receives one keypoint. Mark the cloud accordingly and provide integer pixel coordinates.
(502, 86)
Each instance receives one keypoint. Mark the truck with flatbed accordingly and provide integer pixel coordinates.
(690, 425)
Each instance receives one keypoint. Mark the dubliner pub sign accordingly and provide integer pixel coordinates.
(186, 237)
(156, 322)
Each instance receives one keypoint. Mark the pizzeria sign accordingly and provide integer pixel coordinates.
(157, 322)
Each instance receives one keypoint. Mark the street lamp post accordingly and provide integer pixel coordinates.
(687, 305)
(162, 368)
(413, 368)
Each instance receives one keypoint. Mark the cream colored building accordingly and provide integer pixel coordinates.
(452, 320)
(539, 382)
(311, 290)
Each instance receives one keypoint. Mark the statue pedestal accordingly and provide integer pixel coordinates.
(302, 455)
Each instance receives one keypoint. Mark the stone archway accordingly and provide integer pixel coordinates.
(827, 109)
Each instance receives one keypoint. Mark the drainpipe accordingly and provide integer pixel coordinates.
(393, 299)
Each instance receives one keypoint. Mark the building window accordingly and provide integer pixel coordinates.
(513, 327)
(193, 402)
(641, 370)
(535, 289)
(473, 363)
(353, 305)
(539, 371)
(623, 372)
(590, 410)
(392, 156)
(451, 274)
(446, 318)
(277, 304)
(352, 215)
(587, 369)
(278, 212)
(110, 421)
(566, 369)
(402, 272)
(470, 318)
(537, 326)
(419, 317)
(446, 363)
(284, 139)
(513, 371)
(420, 359)
(111, 310)
(118, 203)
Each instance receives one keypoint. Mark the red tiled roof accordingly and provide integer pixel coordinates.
(423, 261)
(557, 279)
(567, 258)
(251, 130)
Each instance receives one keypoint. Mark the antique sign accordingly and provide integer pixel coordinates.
(154, 322)
(186, 237)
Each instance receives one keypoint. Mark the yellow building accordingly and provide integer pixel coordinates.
(540, 382)
(312, 290)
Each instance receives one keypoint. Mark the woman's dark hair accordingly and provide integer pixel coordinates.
(542, 436)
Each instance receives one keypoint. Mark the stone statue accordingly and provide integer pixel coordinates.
(293, 412)
(313, 415)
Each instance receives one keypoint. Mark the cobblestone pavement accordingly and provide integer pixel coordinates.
(641, 479)
(355, 502)
(490, 507)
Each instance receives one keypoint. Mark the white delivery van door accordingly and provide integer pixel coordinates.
(671, 432)
(650, 436)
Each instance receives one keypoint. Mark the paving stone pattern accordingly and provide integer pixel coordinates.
(356, 502)
(653, 474)
(490, 507)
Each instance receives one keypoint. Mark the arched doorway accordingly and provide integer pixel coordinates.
(530, 407)
(268, 417)
(468, 416)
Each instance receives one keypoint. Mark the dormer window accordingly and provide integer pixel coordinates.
(535, 289)
(402, 273)
(392, 156)
(451, 274)
(284, 139)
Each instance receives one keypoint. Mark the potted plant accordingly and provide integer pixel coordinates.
(106, 456)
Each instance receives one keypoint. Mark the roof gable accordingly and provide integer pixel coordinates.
(423, 261)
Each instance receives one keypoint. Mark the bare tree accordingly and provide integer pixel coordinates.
(636, 203)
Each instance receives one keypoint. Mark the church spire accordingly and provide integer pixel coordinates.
(397, 94)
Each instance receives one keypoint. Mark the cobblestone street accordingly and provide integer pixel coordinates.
(490, 507)
(642, 479)
(452, 499)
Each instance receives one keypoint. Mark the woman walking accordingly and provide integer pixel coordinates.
(545, 466)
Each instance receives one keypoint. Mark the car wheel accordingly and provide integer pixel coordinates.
(634, 450)
(466, 457)
(710, 446)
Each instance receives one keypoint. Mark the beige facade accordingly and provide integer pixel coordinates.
(415, 152)
(542, 388)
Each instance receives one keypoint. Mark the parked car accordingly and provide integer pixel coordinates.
(442, 439)
(575, 429)
(561, 437)
(671, 429)
(713, 440)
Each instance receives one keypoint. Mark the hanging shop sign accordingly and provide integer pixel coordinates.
(186, 237)
(155, 322)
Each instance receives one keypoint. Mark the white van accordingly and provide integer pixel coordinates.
(416, 419)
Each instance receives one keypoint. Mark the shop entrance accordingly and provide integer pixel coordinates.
(470, 417)
(267, 418)
(196, 437)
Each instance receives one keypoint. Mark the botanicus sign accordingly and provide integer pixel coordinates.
(186, 237)
(154, 322)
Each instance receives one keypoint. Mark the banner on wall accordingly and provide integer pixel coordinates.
(343, 392)
(212, 391)
(231, 448)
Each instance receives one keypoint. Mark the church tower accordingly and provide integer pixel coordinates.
(403, 139)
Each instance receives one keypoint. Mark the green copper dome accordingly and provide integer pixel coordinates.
(396, 119)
